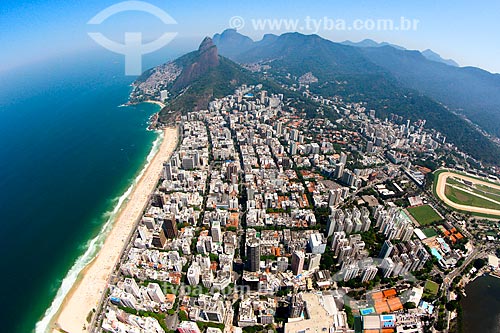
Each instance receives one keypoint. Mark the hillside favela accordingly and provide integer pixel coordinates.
(219, 167)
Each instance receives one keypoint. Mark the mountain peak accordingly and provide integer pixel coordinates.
(433, 56)
(203, 74)
(371, 43)
(206, 44)
(198, 63)
(269, 37)
(230, 42)
(229, 32)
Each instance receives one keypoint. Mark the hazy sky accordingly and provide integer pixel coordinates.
(466, 31)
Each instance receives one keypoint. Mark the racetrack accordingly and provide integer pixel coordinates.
(441, 187)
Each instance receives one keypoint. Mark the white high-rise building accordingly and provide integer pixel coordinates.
(155, 293)
(317, 243)
(351, 271)
(128, 300)
(387, 267)
(407, 233)
(193, 274)
(132, 287)
(314, 148)
(339, 170)
(369, 273)
(313, 261)
(334, 197)
(344, 253)
(343, 158)
(337, 237)
(163, 95)
(233, 203)
(279, 128)
(366, 223)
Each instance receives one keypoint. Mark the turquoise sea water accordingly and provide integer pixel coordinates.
(67, 153)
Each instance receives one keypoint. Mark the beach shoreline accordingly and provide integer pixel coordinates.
(149, 101)
(86, 293)
(160, 104)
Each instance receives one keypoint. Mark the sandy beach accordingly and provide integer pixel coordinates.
(155, 102)
(92, 281)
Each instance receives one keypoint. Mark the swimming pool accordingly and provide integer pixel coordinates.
(366, 311)
(436, 254)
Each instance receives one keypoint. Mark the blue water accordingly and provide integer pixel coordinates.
(367, 311)
(67, 153)
(436, 254)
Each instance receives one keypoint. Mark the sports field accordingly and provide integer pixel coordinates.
(429, 232)
(424, 214)
(431, 287)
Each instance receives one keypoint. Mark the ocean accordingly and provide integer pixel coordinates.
(481, 307)
(68, 154)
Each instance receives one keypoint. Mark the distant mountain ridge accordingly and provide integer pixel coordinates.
(470, 91)
(429, 54)
(467, 90)
(390, 79)
(371, 43)
(231, 43)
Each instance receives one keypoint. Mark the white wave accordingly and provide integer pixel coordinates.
(92, 247)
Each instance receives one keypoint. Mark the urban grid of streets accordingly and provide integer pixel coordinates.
(266, 217)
